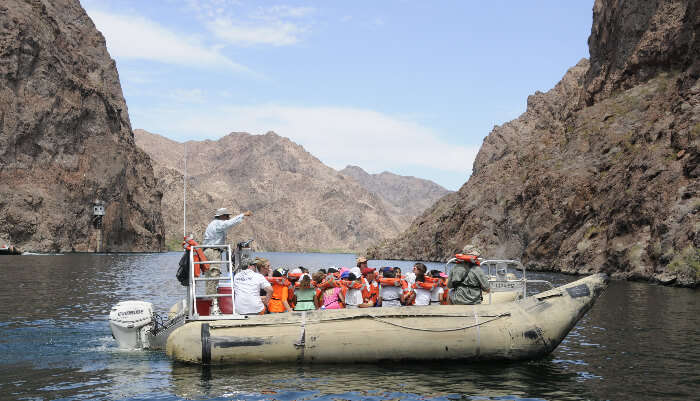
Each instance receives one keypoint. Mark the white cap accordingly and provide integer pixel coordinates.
(295, 271)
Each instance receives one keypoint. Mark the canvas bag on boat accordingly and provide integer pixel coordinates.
(183, 271)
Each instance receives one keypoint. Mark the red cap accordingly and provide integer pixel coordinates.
(367, 270)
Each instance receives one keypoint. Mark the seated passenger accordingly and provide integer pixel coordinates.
(390, 293)
(305, 294)
(421, 291)
(438, 295)
(331, 297)
(318, 278)
(280, 292)
(353, 293)
(293, 278)
(247, 285)
(370, 288)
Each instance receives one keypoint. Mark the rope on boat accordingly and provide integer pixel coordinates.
(248, 323)
(441, 330)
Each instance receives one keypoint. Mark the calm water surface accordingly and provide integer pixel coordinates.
(639, 342)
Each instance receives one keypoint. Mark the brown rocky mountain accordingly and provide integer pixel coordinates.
(65, 137)
(601, 172)
(405, 197)
(299, 203)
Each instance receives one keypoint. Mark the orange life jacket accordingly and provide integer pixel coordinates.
(370, 291)
(426, 285)
(278, 281)
(198, 256)
(328, 282)
(468, 258)
(280, 293)
(389, 281)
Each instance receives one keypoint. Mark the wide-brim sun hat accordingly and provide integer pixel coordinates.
(222, 212)
(471, 250)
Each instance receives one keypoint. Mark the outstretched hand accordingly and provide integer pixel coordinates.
(248, 213)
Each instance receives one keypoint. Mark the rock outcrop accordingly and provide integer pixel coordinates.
(65, 137)
(405, 197)
(601, 172)
(299, 203)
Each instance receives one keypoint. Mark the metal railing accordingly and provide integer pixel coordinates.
(193, 313)
(501, 274)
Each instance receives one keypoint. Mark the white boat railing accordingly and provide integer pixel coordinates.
(193, 296)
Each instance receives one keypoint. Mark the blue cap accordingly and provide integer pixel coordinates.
(345, 274)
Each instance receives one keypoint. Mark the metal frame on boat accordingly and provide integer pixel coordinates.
(502, 274)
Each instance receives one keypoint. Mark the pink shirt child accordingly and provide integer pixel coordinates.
(331, 299)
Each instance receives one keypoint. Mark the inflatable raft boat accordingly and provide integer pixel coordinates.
(503, 327)
(526, 329)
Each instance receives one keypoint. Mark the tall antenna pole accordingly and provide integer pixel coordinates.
(184, 197)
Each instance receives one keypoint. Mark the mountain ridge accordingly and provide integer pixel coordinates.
(274, 177)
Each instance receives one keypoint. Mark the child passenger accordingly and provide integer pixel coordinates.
(280, 293)
(390, 295)
(305, 294)
(331, 298)
(420, 295)
(353, 295)
(438, 296)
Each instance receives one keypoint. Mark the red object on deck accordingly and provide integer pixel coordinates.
(225, 305)
(203, 307)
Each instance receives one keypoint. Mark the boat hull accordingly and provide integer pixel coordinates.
(512, 331)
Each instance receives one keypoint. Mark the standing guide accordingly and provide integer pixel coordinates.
(215, 234)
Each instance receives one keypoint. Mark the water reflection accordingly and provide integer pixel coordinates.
(412, 381)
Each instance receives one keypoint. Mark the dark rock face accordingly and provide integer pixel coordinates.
(65, 137)
(405, 198)
(299, 204)
(632, 41)
(601, 172)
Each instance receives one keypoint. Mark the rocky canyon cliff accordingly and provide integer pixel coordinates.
(601, 172)
(66, 139)
(299, 204)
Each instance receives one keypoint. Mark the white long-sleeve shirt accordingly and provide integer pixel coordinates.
(215, 233)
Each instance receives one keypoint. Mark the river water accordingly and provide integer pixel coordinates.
(639, 342)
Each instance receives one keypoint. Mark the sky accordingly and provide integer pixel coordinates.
(410, 87)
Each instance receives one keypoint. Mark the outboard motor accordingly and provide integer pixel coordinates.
(130, 322)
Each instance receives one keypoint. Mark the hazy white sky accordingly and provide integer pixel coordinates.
(411, 87)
